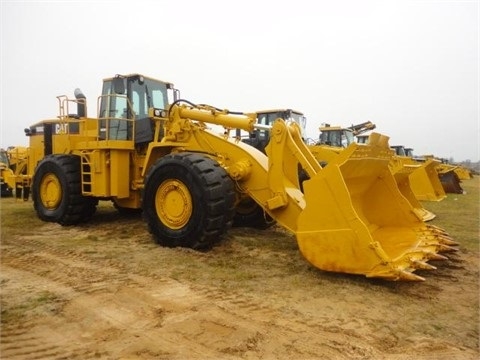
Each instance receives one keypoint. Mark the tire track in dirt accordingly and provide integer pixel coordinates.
(107, 305)
(301, 335)
(104, 307)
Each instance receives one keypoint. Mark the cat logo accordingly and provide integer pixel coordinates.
(61, 129)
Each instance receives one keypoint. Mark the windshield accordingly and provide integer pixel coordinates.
(3, 157)
(267, 118)
(147, 94)
(399, 150)
(337, 137)
(143, 93)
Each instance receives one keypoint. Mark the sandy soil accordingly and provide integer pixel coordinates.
(105, 291)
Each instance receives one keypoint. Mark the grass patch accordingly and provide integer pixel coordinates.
(37, 303)
(458, 214)
(18, 217)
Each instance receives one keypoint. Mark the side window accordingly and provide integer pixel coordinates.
(158, 99)
(139, 99)
(264, 119)
(136, 103)
(106, 90)
(120, 106)
(112, 105)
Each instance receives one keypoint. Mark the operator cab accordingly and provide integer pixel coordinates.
(362, 139)
(127, 99)
(259, 138)
(409, 152)
(335, 136)
(399, 150)
(4, 158)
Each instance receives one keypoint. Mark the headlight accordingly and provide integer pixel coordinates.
(160, 113)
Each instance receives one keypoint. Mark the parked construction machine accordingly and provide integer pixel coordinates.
(17, 158)
(17, 161)
(342, 137)
(333, 139)
(149, 151)
(7, 178)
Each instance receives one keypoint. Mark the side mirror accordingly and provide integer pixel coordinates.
(118, 85)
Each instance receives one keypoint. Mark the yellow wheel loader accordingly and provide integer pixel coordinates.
(7, 176)
(148, 151)
(18, 158)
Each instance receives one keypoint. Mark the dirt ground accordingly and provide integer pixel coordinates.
(105, 290)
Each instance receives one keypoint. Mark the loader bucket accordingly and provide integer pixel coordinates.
(425, 182)
(401, 173)
(451, 182)
(356, 221)
(463, 173)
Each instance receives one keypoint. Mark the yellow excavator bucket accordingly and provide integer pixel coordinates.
(425, 182)
(402, 173)
(463, 173)
(357, 221)
(449, 179)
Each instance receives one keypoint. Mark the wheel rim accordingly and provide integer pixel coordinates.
(173, 204)
(50, 192)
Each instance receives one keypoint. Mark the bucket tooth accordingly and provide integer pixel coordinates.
(435, 228)
(431, 237)
(422, 265)
(448, 241)
(409, 276)
(433, 256)
(439, 247)
(443, 235)
(395, 274)
(446, 248)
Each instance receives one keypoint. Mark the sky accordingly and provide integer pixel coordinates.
(410, 67)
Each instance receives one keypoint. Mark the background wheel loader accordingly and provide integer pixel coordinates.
(18, 161)
(332, 141)
(149, 151)
(7, 175)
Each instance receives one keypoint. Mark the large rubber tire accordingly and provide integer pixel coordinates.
(56, 191)
(188, 201)
(250, 214)
(6, 191)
